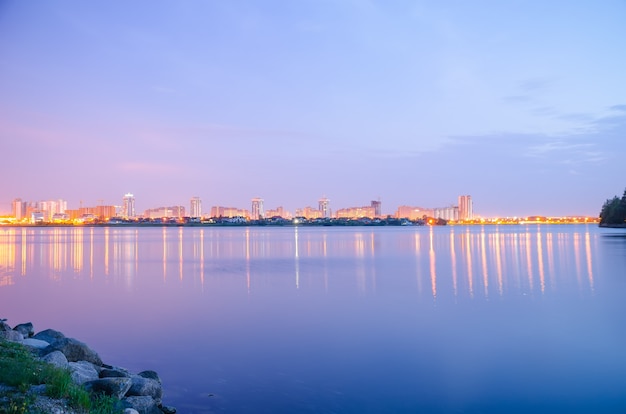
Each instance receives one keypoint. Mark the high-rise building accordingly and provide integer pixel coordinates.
(19, 209)
(324, 207)
(196, 207)
(257, 209)
(128, 206)
(376, 205)
(466, 208)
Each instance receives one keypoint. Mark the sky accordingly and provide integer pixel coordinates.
(520, 104)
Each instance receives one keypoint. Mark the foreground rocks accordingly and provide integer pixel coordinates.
(141, 393)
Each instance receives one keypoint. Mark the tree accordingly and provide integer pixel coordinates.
(614, 211)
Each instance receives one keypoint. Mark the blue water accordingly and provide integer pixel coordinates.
(494, 319)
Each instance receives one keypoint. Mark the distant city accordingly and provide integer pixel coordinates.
(57, 212)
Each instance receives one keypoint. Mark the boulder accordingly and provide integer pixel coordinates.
(35, 343)
(168, 409)
(151, 375)
(83, 371)
(4, 326)
(145, 387)
(11, 335)
(116, 387)
(114, 373)
(57, 359)
(25, 329)
(49, 335)
(73, 349)
(143, 404)
(131, 411)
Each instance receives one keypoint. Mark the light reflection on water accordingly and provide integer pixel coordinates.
(298, 319)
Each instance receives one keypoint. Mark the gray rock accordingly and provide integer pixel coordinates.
(168, 409)
(117, 387)
(35, 343)
(38, 389)
(25, 329)
(76, 350)
(13, 336)
(131, 411)
(4, 326)
(151, 375)
(143, 405)
(83, 371)
(114, 373)
(145, 387)
(57, 359)
(49, 335)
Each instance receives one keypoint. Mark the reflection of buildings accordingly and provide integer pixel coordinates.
(195, 207)
(128, 206)
(466, 209)
(257, 209)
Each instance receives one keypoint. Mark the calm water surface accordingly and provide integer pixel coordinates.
(339, 320)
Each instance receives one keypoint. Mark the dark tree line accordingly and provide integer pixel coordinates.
(614, 211)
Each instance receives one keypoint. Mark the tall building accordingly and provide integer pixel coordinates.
(19, 209)
(324, 207)
(466, 208)
(128, 206)
(257, 209)
(376, 205)
(196, 207)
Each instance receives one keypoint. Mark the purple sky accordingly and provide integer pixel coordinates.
(521, 104)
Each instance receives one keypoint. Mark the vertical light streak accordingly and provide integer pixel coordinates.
(418, 272)
(91, 253)
(550, 253)
(106, 251)
(589, 264)
(248, 258)
(542, 276)
(24, 258)
(297, 258)
(468, 254)
(164, 254)
(433, 272)
(529, 262)
(202, 259)
(453, 263)
(373, 267)
(499, 262)
(577, 257)
(484, 262)
(180, 253)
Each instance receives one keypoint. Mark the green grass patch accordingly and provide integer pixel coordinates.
(21, 369)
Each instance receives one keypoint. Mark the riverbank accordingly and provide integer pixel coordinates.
(48, 372)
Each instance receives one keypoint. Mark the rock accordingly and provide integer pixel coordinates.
(73, 349)
(57, 359)
(114, 373)
(116, 387)
(167, 409)
(131, 411)
(143, 404)
(4, 326)
(11, 335)
(49, 335)
(38, 389)
(35, 343)
(145, 387)
(151, 375)
(25, 329)
(83, 371)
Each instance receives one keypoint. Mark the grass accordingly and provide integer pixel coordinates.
(20, 369)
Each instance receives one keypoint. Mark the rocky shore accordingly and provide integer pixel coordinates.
(138, 393)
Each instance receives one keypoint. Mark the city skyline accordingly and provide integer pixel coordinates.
(522, 105)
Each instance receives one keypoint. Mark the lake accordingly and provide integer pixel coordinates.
(453, 319)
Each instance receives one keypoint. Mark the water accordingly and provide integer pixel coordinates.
(339, 320)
